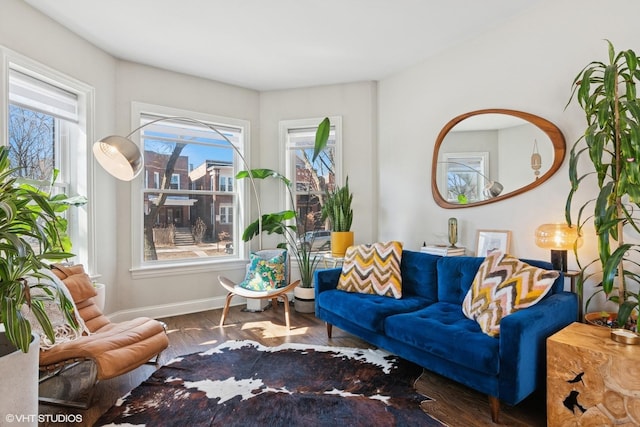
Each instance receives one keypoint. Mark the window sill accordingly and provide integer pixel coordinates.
(175, 269)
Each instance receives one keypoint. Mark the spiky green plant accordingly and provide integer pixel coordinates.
(337, 207)
(32, 234)
(607, 94)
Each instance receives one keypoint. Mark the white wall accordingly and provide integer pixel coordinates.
(356, 103)
(528, 64)
(31, 34)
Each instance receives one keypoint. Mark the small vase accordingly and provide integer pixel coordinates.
(453, 232)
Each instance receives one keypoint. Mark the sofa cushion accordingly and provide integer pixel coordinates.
(504, 284)
(373, 269)
(442, 330)
(366, 310)
(419, 274)
(455, 275)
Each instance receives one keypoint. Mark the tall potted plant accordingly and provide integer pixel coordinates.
(606, 92)
(337, 208)
(31, 234)
(292, 226)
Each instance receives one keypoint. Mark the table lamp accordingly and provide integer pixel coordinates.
(559, 238)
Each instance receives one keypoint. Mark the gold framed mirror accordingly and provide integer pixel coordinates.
(489, 155)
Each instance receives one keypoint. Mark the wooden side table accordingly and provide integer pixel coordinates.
(591, 379)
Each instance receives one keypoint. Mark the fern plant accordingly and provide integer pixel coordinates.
(606, 92)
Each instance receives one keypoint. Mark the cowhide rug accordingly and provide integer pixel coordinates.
(242, 383)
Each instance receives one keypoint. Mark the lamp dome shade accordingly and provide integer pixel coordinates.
(557, 236)
(119, 156)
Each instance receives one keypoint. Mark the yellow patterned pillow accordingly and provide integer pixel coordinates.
(373, 269)
(504, 285)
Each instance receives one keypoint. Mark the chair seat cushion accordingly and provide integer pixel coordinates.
(443, 330)
(116, 347)
(368, 311)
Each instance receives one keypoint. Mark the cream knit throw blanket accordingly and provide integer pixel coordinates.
(63, 330)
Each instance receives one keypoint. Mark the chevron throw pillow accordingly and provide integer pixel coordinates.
(373, 269)
(504, 285)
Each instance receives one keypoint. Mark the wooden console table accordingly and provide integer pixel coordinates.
(591, 379)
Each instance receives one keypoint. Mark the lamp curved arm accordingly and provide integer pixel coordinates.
(492, 188)
(121, 157)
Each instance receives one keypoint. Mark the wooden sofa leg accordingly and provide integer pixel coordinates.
(494, 405)
(329, 329)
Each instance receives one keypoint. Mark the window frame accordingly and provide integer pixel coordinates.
(76, 161)
(141, 268)
(285, 126)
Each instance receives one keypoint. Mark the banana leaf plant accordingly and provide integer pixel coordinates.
(286, 223)
(606, 92)
(32, 234)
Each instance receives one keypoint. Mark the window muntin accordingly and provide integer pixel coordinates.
(180, 222)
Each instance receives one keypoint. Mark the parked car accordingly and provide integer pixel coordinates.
(317, 240)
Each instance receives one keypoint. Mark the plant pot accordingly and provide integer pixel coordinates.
(340, 241)
(304, 299)
(19, 384)
(607, 319)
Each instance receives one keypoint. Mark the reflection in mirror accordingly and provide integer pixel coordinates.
(490, 155)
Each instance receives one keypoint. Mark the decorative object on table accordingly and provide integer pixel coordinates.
(625, 336)
(337, 208)
(243, 382)
(609, 320)
(536, 160)
(452, 228)
(488, 241)
(606, 92)
(592, 380)
(281, 222)
(442, 250)
(559, 238)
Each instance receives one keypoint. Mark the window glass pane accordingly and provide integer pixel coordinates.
(32, 137)
(311, 181)
(184, 226)
(194, 218)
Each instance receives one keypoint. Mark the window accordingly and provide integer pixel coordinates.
(226, 183)
(47, 125)
(311, 181)
(178, 221)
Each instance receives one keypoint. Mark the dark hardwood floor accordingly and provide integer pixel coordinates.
(453, 404)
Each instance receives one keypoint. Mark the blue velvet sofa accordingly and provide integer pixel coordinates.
(427, 325)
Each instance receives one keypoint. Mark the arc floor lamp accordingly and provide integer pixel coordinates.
(121, 157)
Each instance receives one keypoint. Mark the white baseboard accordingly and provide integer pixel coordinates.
(177, 309)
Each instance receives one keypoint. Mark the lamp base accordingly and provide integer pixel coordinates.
(559, 260)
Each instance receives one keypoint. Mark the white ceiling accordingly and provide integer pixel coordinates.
(279, 44)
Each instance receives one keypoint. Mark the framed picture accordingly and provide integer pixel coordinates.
(491, 240)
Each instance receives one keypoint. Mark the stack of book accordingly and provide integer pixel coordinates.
(443, 250)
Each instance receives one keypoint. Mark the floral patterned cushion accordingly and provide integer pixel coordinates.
(267, 270)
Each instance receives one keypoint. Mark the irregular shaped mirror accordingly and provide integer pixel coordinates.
(490, 155)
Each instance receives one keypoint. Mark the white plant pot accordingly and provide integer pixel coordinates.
(100, 299)
(19, 382)
(304, 299)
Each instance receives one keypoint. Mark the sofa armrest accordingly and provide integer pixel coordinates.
(523, 337)
(326, 280)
